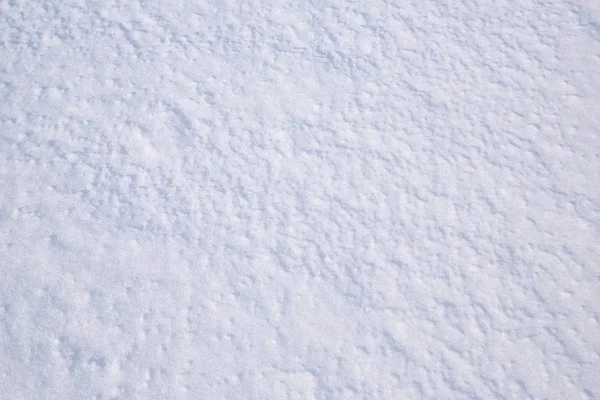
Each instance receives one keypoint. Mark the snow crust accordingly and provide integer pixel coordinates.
(245, 199)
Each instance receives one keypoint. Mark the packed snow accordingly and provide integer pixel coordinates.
(276, 199)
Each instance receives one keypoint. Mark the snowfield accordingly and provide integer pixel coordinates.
(276, 199)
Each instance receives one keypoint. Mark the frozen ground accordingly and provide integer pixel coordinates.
(299, 199)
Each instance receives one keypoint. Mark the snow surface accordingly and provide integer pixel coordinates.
(246, 199)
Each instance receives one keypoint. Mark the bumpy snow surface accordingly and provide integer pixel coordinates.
(246, 199)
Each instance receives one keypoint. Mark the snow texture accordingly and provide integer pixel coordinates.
(276, 199)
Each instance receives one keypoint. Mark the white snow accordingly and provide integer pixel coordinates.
(245, 199)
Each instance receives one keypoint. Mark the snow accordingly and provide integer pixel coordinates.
(246, 199)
